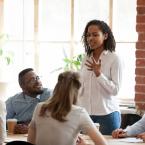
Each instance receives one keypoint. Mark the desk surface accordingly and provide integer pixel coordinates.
(13, 137)
(110, 140)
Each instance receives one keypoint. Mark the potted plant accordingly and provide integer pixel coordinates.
(73, 63)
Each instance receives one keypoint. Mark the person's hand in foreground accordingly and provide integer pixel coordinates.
(80, 141)
(21, 128)
(119, 133)
(141, 136)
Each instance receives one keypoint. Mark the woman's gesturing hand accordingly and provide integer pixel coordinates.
(94, 66)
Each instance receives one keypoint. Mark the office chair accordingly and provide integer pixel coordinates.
(18, 143)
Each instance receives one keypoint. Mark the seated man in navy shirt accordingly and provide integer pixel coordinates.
(22, 105)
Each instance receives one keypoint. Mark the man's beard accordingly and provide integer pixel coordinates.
(39, 92)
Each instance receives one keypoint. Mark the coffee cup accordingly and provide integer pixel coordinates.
(11, 123)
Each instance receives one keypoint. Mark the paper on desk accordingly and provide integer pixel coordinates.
(131, 140)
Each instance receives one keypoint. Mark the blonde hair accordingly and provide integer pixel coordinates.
(64, 96)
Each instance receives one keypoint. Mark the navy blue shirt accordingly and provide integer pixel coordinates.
(21, 106)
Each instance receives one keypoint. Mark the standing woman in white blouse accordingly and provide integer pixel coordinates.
(2, 122)
(100, 76)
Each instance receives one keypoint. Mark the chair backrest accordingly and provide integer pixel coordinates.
(18, 143)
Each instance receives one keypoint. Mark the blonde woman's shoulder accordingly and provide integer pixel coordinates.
(78, 108)
(40, 104)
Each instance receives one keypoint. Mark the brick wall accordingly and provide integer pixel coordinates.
(140, 56)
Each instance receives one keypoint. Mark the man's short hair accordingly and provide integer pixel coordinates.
(22, 73)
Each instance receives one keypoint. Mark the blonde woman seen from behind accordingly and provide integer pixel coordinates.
(59, 120)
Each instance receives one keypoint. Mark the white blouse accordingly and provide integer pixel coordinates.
(98, 94)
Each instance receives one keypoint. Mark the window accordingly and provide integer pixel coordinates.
(42, 33)
(124, 24)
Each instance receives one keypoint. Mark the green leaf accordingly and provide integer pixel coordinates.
(73, 63)
(67, 60)
(8, 59)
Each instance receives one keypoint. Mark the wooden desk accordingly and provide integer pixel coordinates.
(109, 139)
(112, 141)
(12, 137)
